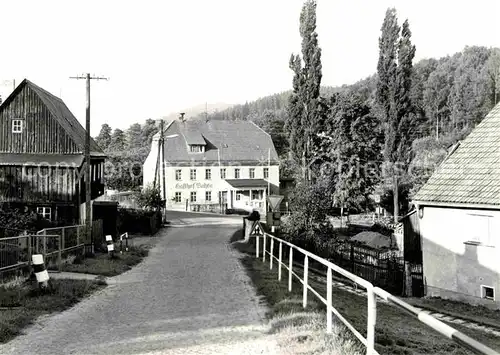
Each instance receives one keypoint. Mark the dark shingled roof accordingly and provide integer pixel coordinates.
(471, 174)
(233, 141)
(61, 114)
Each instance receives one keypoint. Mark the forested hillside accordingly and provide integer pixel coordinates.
(411, 116)
(451, 94)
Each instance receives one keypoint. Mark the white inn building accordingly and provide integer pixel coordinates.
(214, 166)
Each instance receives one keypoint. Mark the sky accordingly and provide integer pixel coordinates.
(166, 56)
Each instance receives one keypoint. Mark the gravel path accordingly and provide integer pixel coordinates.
(190, 296)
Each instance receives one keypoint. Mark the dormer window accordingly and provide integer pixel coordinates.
(196, 148)
(17, 126)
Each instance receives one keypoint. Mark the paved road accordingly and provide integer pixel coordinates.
(190, 296)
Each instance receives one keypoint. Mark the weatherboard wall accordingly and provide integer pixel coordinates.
(41, 133)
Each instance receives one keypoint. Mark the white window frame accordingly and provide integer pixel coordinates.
(238, 196)
(178, 174)
(208, 196)
(191, 195)
(251, 173)
(43, 211)
(259, 193)
(237, 173)
(474, 235)
(483, 293)
(192, 173)
(208, 174)
(178, 197)
(17, 125)
(196, 148)
(223, 173)
(266, 173)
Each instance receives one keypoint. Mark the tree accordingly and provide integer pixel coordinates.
(118, 141)
(352, 144)
(393, 95)
(134, 136)
(149, 129)
(304, 117)
(104, 138)
(149, 198)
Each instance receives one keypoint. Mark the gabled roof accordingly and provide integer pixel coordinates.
(61, 114)
(236, 141)
(470, 175)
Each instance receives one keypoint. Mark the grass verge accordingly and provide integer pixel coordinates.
(478, 314)
(396, 332)
(21, 304)
(102, 264)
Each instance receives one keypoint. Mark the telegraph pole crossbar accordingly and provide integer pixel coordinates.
(88, 220)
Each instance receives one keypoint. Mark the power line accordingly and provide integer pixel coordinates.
(88, 221)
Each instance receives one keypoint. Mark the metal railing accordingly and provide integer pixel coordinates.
(16, 252)
(52, 243)
(371, 291)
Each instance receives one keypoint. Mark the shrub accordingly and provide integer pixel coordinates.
(138, 221)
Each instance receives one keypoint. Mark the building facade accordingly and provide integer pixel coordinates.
(215, 166)
(459, 219)
(42, 156)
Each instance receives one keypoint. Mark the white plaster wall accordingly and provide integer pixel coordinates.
(451, 264)
(215, 184)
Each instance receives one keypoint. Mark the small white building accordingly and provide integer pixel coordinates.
(214, 166)
(459, 219)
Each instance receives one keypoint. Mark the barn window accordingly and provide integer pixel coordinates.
(44, 212)
(17, 126)
(488, 292)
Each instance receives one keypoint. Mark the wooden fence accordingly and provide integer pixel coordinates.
(382, 268)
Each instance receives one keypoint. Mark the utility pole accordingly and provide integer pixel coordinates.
(88, 221)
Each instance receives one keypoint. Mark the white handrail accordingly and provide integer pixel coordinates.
(371, 292)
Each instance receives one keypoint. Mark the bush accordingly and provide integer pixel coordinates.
(138, 221)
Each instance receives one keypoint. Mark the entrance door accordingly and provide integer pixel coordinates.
(223, 201)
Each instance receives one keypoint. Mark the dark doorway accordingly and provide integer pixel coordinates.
(108, 212)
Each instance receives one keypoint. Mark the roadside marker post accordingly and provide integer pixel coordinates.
(42, 276)
(111, 246)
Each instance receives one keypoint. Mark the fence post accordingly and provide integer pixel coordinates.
(290, 266)
(59, 252)
(271, 254)
(30, 251)
(280, 252)
(44, 244)
(352, 258)
(63, 242)
(126, 241)
(264, 248)
(371, 321)
(329, 300)
(257, 239)
(306, 272)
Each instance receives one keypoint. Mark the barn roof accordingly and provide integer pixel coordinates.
(470, 175)
(61, 114)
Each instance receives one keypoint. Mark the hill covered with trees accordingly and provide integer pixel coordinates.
(406, 113)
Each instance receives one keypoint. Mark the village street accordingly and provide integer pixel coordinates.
(189, 296)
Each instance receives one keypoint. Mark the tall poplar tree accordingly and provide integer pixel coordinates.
(393, 95)
(304, 114)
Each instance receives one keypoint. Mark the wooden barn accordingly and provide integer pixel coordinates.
(42, 147)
